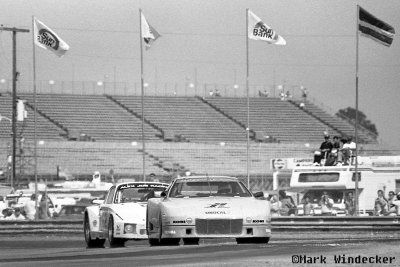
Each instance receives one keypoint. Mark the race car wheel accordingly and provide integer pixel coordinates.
(191, 241)
(91, 243)
(167, 241)
(114, 242)
(253, 240)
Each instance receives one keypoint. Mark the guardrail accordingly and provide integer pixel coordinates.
(279, 224)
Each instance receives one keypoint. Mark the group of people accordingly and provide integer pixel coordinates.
(27, 211)
(335, 153)
(387, 206)
(215, 93)
(282, 204)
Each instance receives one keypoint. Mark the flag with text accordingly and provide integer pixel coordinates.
(258, 30)
(46, 38)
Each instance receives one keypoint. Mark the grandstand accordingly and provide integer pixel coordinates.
(200, 135)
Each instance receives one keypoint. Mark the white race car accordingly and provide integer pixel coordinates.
(207, 207)
(122, 215)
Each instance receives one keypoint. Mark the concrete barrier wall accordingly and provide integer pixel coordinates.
(279, 224)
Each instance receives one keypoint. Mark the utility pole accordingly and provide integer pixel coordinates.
(14, 31)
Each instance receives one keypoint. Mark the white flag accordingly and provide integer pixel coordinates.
(149, 34)
(258, 30)
(48, 39)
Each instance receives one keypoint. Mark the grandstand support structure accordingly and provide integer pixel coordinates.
(362, 128)
(252, 135)
(315, 116)
(56, 123)
(161, 131)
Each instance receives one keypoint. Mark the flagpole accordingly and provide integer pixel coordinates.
(34, 117)
(142, 95)
(248, 100)
(356, 122)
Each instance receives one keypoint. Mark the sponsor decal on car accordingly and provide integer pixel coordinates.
(142, 186)
(218, 206)
(218, 212)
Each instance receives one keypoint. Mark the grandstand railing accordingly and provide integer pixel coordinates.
(151, 88)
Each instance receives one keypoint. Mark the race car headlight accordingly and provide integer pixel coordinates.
(189, 220)
(248, 220)
(130, 228)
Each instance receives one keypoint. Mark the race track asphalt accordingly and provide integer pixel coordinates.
(283, 250)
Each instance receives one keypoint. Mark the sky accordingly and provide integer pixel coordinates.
(204, 42)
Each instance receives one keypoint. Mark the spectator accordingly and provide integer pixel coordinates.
(396, 202)
(381, 205)
(96, 178)
(304, 93)
(392, 208)
(30, 208)
(3, 205)
(326, 204)
(44, 212)
(265, 93)
(323, 152)
(347, 151)
(275, 205)
(282, 95)
(288, 95)
(350, 205)
(308, 208)
(211, 93)
(16, 216)
(4, 214)
(217, 93)
(287, 204)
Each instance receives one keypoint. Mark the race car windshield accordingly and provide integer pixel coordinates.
(207, 188)
(126, 195)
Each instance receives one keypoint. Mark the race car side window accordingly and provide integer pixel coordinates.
(110, 195)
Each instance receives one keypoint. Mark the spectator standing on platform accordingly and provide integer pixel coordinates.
(381, 204)
(44, 212)
(326, 204)
(324, 150)
(16, 216)
(30, 208)
(349, 203)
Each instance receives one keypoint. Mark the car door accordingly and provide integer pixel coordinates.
(105, 209)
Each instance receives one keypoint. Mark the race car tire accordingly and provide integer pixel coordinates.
(190, 241)
(91, 243)
(253, 240)
(167, 241)
(154, 242)
(114, 242)
(170, 241)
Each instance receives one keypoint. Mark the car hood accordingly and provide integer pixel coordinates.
(132, 212)
(216, 207)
